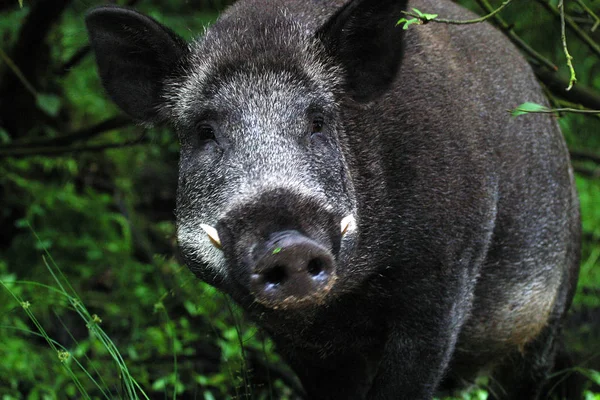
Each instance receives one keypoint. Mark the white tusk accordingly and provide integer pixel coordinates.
(213, 235)
(348, 223)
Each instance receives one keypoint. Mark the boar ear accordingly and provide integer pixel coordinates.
(363, 36)
(135, 54)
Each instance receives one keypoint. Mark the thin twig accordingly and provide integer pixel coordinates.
(579, 94)
(456, 22)
(590, 13)
(562, 110)
(592, 44)
(520, 43)
(15, 69)
(563, 37)
(560, 103)
(74, 60)
(583, 20)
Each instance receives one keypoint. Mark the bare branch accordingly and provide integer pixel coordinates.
(63, 150)
(595, 47)
(579, 94)
(83, 134)
(596, 20)
(583, 155)
(537, 57)
(15, 69)
(592, 173)
(74, 60)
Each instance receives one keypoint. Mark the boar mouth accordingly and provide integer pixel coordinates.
(292, 302)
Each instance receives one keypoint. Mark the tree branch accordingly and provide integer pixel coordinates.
(530, 51)
(15, 69)
(557, 85)
(583, 155)
(73, 61)
(83, 134)
(573, 26)
(33, 33)
(545, 70)
(62, 150)
(30, 56)
(592, 173)
(595, 20)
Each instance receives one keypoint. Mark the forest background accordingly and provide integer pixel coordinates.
(94, 302)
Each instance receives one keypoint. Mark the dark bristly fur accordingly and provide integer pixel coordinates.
(293, 114)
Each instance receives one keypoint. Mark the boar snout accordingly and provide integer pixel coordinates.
(294, 270)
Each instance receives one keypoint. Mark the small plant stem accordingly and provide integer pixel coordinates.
(595, 47)
(240, 336)
(52, 343)
(591, 14)
(129, 383)
(564, 110)
(456, 22)
(18, 73)
(563, 37)
(530, 51)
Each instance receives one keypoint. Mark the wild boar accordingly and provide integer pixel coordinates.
(361, 190)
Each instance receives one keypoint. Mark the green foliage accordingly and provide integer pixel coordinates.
(527, 108)
(49, 103)
(420, 19)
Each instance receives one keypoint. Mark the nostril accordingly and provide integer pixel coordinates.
(275, 275)
(290, 270)
(315, 266)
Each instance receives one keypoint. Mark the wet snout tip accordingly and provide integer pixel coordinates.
(348, 224)
(213, 235)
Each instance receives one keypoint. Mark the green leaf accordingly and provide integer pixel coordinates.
(591, 396)
(4, 137)
(425, 16)
(277, 250)
(528, 107)
(208, 396)
(159, 384)
(592, 375)
(49, 103)
(407, 22)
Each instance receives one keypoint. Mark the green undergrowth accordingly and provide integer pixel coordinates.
(57, 344)
(54, 344)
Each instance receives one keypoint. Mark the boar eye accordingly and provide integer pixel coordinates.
(205, 132)
(317, 125)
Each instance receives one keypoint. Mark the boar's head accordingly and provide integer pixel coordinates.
(266, 203)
